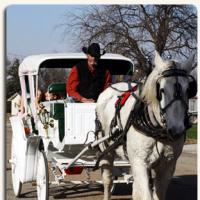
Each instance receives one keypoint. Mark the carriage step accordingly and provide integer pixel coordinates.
(87, 182)
(81, 162)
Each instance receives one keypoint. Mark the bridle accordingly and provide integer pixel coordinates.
(139, 116)
(174, 72)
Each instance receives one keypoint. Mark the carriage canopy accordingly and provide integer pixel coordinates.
(115, 63)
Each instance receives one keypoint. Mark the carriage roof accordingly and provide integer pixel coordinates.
(31, 64)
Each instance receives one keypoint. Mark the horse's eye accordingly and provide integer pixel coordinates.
(188, 92)
(160, 93)
(192, 89)
(162, 90)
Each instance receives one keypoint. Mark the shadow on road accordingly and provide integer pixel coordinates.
(181, 187)
(76, 191)
(69, 191)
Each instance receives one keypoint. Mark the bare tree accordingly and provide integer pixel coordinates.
(12, 78)
(48, 76)
(137, 30)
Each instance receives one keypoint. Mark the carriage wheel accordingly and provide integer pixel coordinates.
(17, 185)
(42, 177)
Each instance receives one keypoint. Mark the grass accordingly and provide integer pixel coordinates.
(192, 132)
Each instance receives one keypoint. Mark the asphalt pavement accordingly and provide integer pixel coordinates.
(182, 187)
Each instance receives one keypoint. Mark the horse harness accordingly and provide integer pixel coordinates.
(141, 116)
(192, 90)
(117, 132)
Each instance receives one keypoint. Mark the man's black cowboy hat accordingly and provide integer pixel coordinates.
(93, 50)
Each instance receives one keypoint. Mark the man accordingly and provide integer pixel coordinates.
(88, 79)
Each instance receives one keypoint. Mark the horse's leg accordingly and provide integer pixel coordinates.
(106, 167)
(141, 185)
(163, 174)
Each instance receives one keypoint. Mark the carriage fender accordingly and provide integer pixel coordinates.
(25, 150)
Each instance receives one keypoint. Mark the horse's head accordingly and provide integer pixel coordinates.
(172, 86)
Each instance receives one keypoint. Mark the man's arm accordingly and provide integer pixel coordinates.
(72, 84)
(107, 80)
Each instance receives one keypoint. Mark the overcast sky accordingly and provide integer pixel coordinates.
(31, 29)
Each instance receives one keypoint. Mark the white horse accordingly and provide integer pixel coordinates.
(165, 95)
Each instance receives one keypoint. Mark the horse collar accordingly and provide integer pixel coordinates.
(147, 124)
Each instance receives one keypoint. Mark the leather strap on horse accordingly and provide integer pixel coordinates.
(119, 137)
(116, 121)
(142, 122)
(118, 141)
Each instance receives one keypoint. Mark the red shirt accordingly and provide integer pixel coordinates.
(73, 82)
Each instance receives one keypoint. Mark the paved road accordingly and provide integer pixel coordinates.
(183, 185)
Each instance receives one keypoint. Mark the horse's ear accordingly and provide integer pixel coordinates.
(158, 61)
(188, 64)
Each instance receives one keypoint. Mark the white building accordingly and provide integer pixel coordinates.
(15, 100)
(193, 105)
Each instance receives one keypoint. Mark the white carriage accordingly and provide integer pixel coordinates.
(44, 137)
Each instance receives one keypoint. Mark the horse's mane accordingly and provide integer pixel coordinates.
(149, 89)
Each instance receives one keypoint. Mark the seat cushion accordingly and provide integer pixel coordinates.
(57, 88)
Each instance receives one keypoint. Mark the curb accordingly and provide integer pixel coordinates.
(190, 148)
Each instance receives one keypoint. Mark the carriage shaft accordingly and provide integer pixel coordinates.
(89, 146)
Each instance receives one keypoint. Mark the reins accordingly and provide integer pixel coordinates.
(140, 117)
(117, 132)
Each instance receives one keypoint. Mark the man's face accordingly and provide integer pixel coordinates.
(92, 61)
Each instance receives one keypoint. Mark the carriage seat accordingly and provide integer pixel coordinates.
(57, 107)
(58, 89)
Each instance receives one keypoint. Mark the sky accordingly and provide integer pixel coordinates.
(34, 29)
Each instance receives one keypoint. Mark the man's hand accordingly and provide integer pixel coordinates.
(84, 100)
